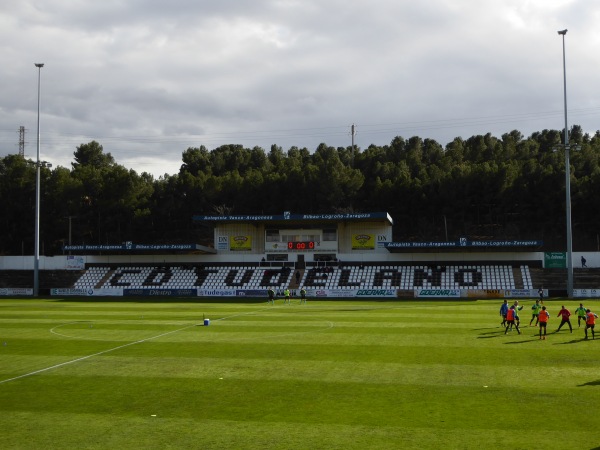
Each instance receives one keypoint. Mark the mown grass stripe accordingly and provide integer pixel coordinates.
(83, 358)
(384, 375)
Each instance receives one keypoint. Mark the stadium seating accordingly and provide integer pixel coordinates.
(348, 277)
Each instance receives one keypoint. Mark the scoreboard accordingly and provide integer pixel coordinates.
(301, 245)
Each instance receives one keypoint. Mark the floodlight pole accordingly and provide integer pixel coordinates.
(36, 258)
(567, 179)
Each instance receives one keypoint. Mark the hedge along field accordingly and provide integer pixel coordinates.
(327, 374)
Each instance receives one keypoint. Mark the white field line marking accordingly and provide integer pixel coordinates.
(329, 326)
(83, 358)
(66, 363)
(56, 366)
(74, 337)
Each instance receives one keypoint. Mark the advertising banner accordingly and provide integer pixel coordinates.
(102, 292)
(160, 292)
(374, 293)
(16, 291)
(130, 246)
(252, 293)
(437, 293)
(586, 293)
(348, 293)
(523, 293)
(363, 241)
(240, 243)
(216, 292)
(482, 293)
(222, 242)
(71, 292)
(75, 263)
(555, 260)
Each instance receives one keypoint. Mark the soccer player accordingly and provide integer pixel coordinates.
(566, 318)
(302, 295)
(503, 311)
(286, 296)
(580, 314)
(543, 317)
(510, 320)
(590, 322)
(535, 313)
(271, 294)
(517, 309)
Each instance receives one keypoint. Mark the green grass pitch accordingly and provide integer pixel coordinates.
(82, 374)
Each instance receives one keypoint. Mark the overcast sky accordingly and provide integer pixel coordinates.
(147, 78)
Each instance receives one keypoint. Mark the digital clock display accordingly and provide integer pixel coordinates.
(301, 245)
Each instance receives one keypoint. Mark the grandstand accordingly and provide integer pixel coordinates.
(349, 277)
(326, 254)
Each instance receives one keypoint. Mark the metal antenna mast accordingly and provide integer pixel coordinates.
(22, 141)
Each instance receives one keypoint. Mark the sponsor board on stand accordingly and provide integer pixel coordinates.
(16, 291)
(350, 293)
(586, 293)
(160, 292)
(252, 293)
(375, 293)
(482, 293)
(437, 293)
(71, 292)
(102, 292)
(216, 292)
(337, 293)
(523, 293)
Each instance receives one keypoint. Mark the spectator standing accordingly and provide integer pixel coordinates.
(543, 316)
(566, 318)
(583, 261)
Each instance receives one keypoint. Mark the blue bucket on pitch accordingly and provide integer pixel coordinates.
(206, 322)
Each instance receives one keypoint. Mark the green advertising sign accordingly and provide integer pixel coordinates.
(555, 260)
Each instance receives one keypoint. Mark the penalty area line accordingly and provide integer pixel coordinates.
(73, 361)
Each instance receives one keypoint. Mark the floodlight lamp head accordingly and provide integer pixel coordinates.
(562, 32)
(39, 64)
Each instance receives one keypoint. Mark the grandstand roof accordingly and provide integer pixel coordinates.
(464, 244)
(130, 247)
(287, 217)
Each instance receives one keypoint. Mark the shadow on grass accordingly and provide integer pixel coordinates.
(491, 334)
(488, 328)
(572, 341)
(524, 341)
(590, 383)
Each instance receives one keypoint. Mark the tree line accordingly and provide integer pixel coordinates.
(483, 187)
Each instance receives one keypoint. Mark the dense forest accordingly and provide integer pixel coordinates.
(483, 187)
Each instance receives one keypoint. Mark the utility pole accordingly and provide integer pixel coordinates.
(567, 148)
(353, 133)
(36, 258)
